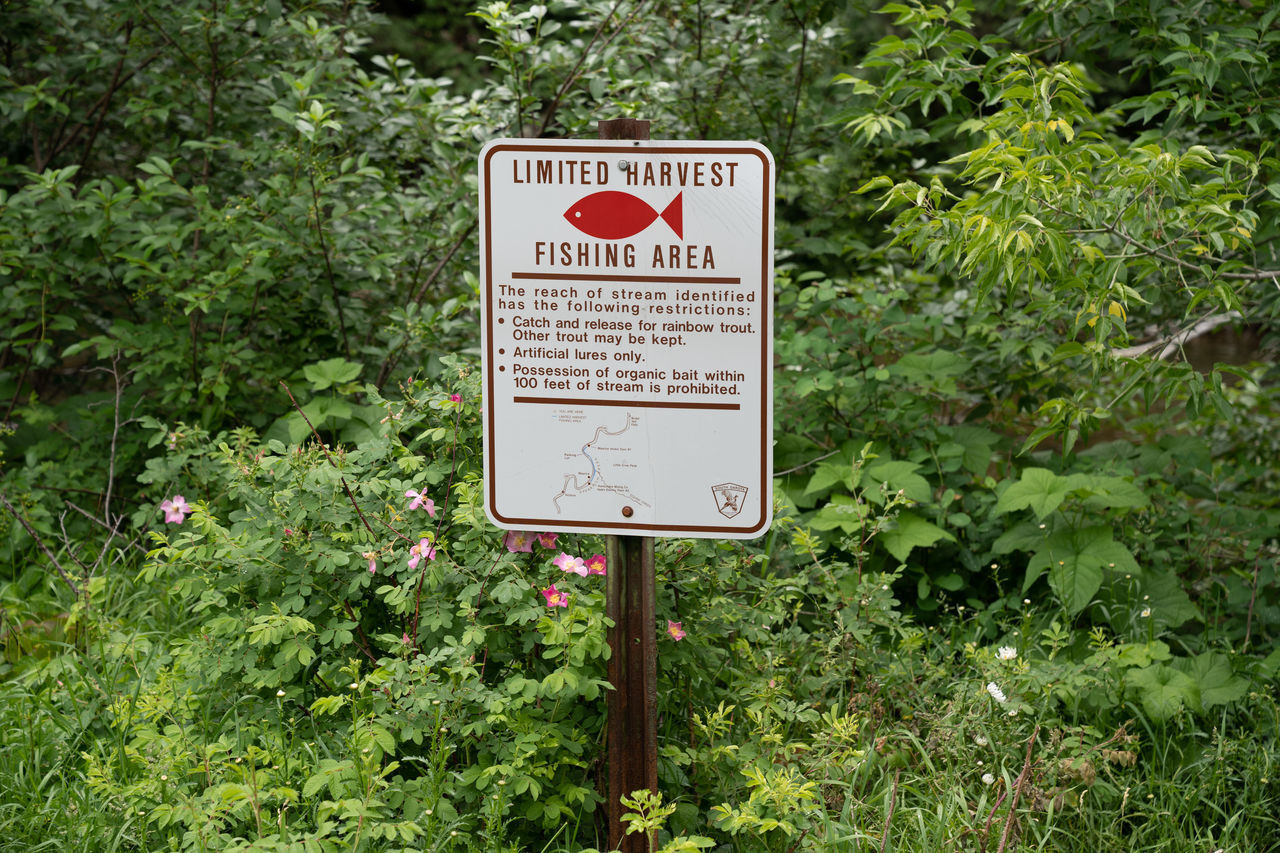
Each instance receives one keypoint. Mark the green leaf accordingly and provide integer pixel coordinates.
(829, 474)
(1040, 489)
(1170, 605)
(314, 785)
(1075, 559)
(900, 475)
(843, 512)
(1136, 654)
(327, 705)
(1215, 681)
(333, 371)
(912, 532)
(882, 181)
(383, 738)
(951, 582)
(1270, 665)
(1112, 492)
(935, 370)
(1163, 690)
(978, 444)
(1027, 536)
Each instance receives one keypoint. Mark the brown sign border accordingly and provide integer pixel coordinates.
(766, 373)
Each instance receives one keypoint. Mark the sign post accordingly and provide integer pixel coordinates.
(626, 293)
(631, 740)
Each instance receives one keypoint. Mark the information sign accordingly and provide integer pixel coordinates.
(627, 336)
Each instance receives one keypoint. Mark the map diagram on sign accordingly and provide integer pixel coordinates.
(604, 464)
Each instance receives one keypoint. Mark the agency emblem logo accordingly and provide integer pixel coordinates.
(729, 498)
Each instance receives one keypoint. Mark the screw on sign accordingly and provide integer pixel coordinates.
(626, 340)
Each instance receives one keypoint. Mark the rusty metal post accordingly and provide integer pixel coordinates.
(632, 737)
(623, 128)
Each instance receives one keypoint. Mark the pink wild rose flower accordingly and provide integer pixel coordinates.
(176, 509)
(422, 500)
(595, 564)
(518, 540)
(424, 548)
(554, 597)
(571, 564)
(675, 630)
(547, 540)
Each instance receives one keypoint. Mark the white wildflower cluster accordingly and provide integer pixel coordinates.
(1006, 653)
(996, 693)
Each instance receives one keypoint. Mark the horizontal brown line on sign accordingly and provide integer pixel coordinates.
(639, 404)
(675, 279)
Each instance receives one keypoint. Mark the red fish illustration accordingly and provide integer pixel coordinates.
(613, 215)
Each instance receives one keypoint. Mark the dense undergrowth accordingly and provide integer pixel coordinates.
(1020, 593)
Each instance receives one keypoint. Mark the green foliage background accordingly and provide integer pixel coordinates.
(237, 243)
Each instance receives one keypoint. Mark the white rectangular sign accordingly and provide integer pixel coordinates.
(627, 336)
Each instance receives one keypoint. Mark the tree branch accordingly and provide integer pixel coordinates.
(328, 266)
(802, 23)
(363, 645)
(1172, 343)
(325, 449)
(1114, 228)
(549, 113)
(105, 103)
(40, 542)
(389, 363)
(435, 271)
(804, 465)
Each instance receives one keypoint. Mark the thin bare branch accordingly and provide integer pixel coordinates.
(389, 363)
(1017, 791)
(325, 449)
(986, 829)
(1171, 344)
(105, 102)
(576, 72)
(888, 818)
(1180, 263)
(133, 543)
(804, 465)
(66, 543)
(328, 265)
(40, 543)
(435, 271)
(363, 645)
(802, 23)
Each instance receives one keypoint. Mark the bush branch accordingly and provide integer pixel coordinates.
(40, 542)
(1017, 792)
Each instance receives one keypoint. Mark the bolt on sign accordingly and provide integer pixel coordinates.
(627, 336)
